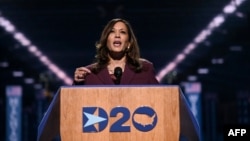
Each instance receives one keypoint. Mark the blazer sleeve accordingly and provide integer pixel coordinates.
(148, 67)
(152, 74)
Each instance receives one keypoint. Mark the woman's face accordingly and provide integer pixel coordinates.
(118, 38)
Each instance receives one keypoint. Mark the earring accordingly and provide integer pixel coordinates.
(127, 49)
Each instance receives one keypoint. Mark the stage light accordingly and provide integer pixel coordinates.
(61, 74)
(235, 48)
(189, 48)
(29, 81)
(25, 42)
(217, 61)
(203, 71)
(201, 37)
(44, 60)
(53, 67)
(239, 14)
(38, 86)
(21, 38)
(192, 78)
(229, 9)
(17, 74)
(166, 70)
(180, 57)
(216, 22)
(238, 2)
(4, 64)
(35, 52)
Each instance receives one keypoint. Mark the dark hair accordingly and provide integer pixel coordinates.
(132, 54)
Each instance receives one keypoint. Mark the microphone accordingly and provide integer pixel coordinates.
(118, 74)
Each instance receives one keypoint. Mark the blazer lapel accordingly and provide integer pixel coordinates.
(104, 76)
(127, 75)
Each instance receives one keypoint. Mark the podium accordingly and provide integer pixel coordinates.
(119, 113)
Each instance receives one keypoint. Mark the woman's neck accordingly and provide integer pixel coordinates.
(113, 63)
(117, 61)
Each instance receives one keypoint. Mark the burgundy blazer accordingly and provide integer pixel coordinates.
(129, 77)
